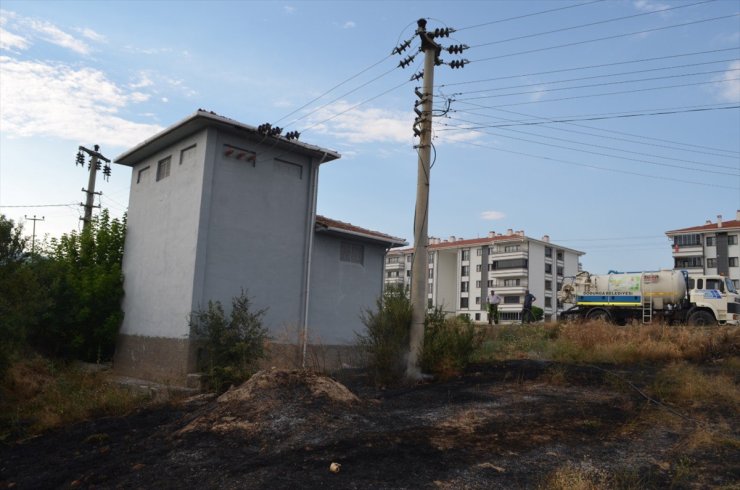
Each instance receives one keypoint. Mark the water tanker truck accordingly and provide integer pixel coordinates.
(670, 296)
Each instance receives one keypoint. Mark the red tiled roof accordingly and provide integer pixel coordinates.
(711, 226)
(341, 225)
(468, 242)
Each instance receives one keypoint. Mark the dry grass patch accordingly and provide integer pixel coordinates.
(686, 385)
(38, 395)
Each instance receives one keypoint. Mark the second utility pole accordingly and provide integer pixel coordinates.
(420, 263)
(90, 191)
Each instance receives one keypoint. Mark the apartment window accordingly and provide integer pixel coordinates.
(710, 240)
(560, 255)
(466, 254)
(685, 262)
(352, 252)
(477, 268)
(163, 168)
(431, 273)
(733, 262)
(489, 283)
(463, 302)
(548, 285)
(465, 270)
(560, 286)
(464, 287)
(391, 260)
(187, 155)
(477, 316)
(691, 239)
(509, 264)
(560, 270)
(477, 284)
(712, 263)
(409, 257)
(143, 173)
(548, 301)
(408, 273)
(511, 283)
(511, 300)
(511, 248)
(477, 300)
(431, 258)
(430, 303)
(479, 251)
(548, 252)
(548, 268)
(731, 239)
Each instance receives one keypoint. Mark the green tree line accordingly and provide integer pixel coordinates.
(63, 301)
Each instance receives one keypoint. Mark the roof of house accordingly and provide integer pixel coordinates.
(340, 227)
(202, 119)
(472, 242)
(731, 224)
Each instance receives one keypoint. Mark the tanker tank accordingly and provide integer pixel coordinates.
(630, 289)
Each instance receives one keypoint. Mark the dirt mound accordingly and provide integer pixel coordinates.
(294, 407)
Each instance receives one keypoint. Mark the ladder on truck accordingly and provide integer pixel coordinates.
(647, 307)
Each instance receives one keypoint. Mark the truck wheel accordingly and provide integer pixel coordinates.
(599, 314)
(701, 319)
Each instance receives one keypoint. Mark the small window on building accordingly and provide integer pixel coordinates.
(477, 268)
(477, 316)
(352, 252)
(712, 263)
(548, 301)
(560, 271)
(409, 258)
(511, 300)
(560, 255)
(511, 283)
(466, 254)
(477, 284)
(430, 303)
(142, 175)
(464, 287)
(430, 257)
(163, 168)
(731, 239)
(511, 248)
(548, 285)
(733, 261)
(478, 251)
(463, 302)
(548, 268)
(187, 156)
(408, 273)
(477, 300)
(431, 273)
(548, 252)
(465, 270)
(710, 241)
(489, 283)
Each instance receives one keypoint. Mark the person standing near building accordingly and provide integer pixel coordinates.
(527, 309)
(493, 300)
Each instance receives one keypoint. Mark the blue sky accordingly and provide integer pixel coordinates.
(609, 179)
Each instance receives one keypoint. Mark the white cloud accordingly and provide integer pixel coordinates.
(363, 125)
(45, 99)
(282, 103)
(349, 25)
(492, 215)
(165, 99)
(289, 9)
(729, 89)
(54, 35)
(649, 6)
(10, 41)
(92, 35)
(144, 80)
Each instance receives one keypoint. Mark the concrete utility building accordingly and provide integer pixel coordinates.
(463, 271)
(216, 208)
(711, 248)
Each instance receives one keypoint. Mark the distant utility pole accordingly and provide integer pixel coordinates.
(33, 235)
(423, 129)
(93, 166)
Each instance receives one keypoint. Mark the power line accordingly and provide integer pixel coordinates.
(590, 24)
(624, 151)
(590, 85)
(604, 94)
(605, 38)
(40, 205)
(701, 149)
(606, 169)
(527, 15)
(649, 162)
(593, 77)
(587, 67)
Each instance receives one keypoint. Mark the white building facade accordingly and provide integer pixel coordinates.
(711, 248)
(462, 272)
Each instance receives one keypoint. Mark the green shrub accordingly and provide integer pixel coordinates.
(233, 346)
(449, 344)
(538, 313)
(385, 343)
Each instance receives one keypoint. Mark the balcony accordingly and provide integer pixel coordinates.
(395, 266)
(507, 273)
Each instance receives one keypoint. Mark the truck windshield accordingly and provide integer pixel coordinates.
(716, 284)
(730, 285)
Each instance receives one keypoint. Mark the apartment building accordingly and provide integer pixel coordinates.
(463, 271)
(711, 248)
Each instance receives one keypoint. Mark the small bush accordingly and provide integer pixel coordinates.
(449, 344)
(233, 346)
(385, 343)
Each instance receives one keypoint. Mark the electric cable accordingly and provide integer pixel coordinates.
(527, 15)
(605, 38)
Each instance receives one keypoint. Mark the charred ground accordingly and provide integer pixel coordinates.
(515, 424)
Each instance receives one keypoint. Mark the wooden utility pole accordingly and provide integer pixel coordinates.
(420, 264)
(94, 166)
(33, 235)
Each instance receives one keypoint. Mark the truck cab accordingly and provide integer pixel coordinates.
(714, 299)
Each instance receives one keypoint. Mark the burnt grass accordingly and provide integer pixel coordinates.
(506, 425)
